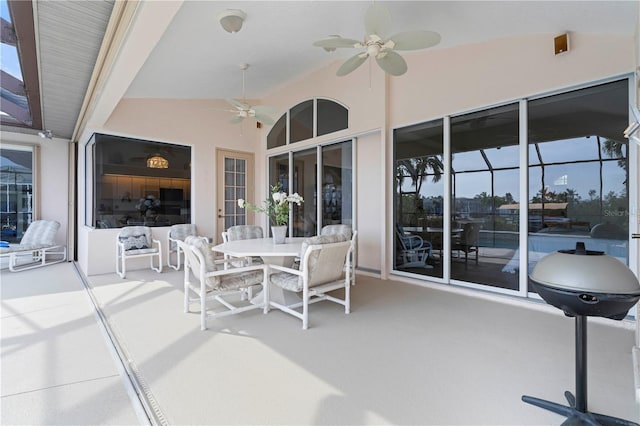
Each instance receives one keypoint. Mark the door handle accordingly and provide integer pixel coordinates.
(220, 216)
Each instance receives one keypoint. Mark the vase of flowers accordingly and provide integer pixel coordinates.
(148, 206)
(277, 208)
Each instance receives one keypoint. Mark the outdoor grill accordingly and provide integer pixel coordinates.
(584, 283)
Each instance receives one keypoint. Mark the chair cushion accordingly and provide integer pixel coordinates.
(235, 281)
(230, 281)
(244, 232)
(40, 233)
(322, 239)
(202, 245)
(337, 229)
(286, 281)
(181, 231)
(134, 242)
(294, 282)
(148, 250)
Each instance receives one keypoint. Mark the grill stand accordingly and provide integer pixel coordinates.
(576, 412)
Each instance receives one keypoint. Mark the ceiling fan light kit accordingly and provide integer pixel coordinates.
(377, 24)
(231, 20)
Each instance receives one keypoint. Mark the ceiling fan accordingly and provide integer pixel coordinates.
(377, 23)
(243, 110)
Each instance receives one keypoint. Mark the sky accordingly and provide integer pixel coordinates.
(8, 54)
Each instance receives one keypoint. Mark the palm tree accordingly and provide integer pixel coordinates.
(418, 169)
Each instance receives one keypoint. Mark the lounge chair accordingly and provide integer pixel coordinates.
(37, 243)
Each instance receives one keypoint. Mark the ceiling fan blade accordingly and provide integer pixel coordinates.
(351, 64)
(241, 106)
(236, 119)
(377, 20)
(265, 119)
(337, 42)
(392, 63)
(414, 40)
(264, 109)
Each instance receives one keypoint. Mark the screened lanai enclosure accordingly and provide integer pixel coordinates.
(533, 176)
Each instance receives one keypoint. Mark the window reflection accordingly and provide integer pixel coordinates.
(419, 199)
(331, 117)
(337, 175)
(301, 122)
(578, 186)
(16, 193)
(278, 134)
(305, 165)
(128, 192)
(485, 194)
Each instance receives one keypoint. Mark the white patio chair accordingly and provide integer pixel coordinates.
(135, 242)
(178, 233)
(36, 244)
(323, 262)
(350, 234)
(214, 282)
(243, 232)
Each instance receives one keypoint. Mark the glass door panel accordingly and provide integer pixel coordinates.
(336, 184)
(419, 199)
(578, 172)
(304, 222)
(16, 193)
(235, 178)
(485, 194)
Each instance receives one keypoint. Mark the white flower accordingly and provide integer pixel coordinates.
(295, 198)
(241, 203)
(279, 197)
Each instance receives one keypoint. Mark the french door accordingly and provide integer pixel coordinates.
(235, 180)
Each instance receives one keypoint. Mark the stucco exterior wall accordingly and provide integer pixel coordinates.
(438, 83)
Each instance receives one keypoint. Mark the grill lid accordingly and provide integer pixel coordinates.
(584, 270)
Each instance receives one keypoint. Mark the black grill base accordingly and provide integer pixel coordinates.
(576, 412)
(573, 415)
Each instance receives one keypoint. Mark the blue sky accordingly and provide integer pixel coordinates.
(8, 54)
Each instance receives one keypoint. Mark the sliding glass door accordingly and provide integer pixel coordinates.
(329, 201)
(419, 199)
(579, 172)
(485, 194)
(575, 185)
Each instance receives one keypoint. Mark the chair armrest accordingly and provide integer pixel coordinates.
(415, 237)
(286, 269)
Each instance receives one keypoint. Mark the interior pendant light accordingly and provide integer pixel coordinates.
(157, 161)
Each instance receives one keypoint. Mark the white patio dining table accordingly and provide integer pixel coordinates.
(273, 254)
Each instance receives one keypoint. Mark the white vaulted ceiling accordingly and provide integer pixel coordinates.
(196, 58)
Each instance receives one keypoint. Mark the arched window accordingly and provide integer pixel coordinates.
(306, 120)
